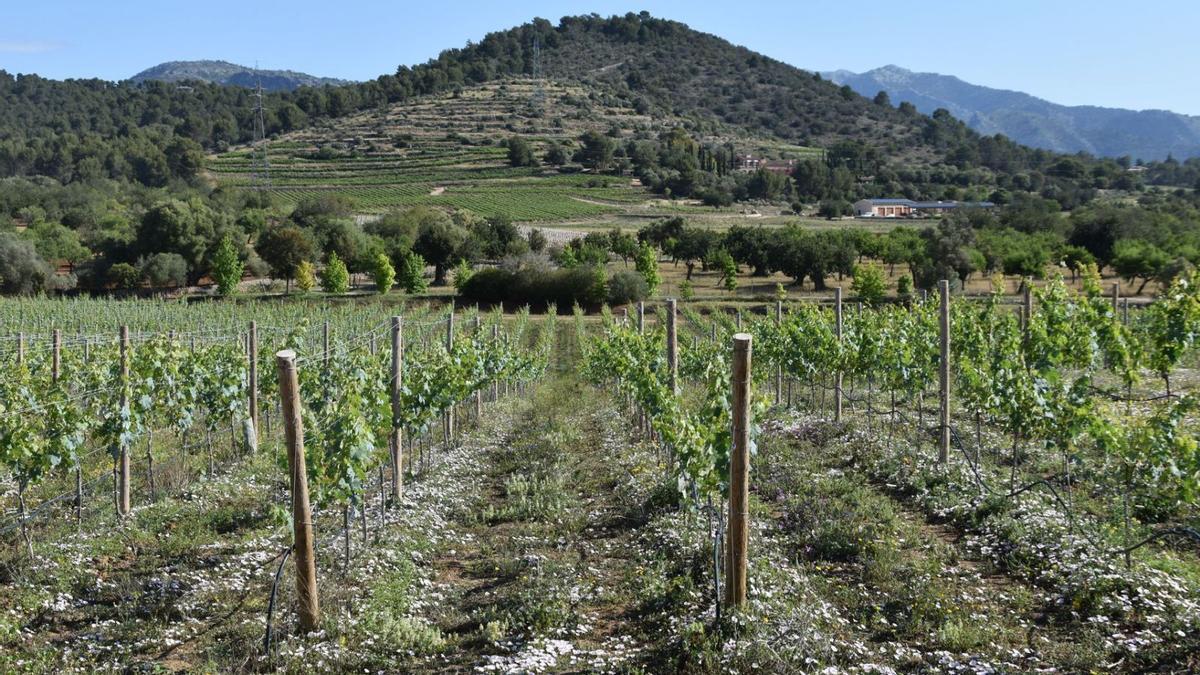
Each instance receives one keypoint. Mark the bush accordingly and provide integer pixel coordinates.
(306, 276)
(335, 278)
(124, 276)
(22, 269)
(538, 288)
(383, 274)
(627, 286)
(165, 269)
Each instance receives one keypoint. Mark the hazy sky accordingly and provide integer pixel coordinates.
(1102, 52)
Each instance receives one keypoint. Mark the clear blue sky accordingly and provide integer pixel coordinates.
(1103, 52)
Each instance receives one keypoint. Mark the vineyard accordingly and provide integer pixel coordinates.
(956, 485)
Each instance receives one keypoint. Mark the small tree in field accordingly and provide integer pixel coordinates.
(868, 284)
(383, 274)
(647, 266)
(335, 278)
(686, 291)
(306, 276)
(227, 267)
(729, 272)
(462, 274)
(412, 274)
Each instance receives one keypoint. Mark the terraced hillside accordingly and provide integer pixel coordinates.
(445, 150)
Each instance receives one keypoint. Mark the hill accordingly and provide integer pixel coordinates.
(1108, 132)
(223, 72)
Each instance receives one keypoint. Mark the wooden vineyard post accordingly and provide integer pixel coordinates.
(325, 342)
(641, 317)
(944, 373)
(56, 355)
(252, 354)
(397, 435)
(448, 416)
(739, 475)
(123, 505)
(20, 348)
(478, 392)
(779, 367)
(672, 348)
(1125, 311)
(838, 379)
(302, 533)
(495, 383)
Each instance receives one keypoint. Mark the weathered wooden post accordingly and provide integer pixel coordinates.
(778, 367)
(1125, 311)
(302, 532)
(56, 354)
(837, 378)
(739, 476)
(252, 348)
(496, 383)
(672, 347)
(641, 317)
(478, 392)
(123, 504)
(944, 373)
(397, 435)
(448, 416)
(1116, 296)
(20, 348)
(325, 341)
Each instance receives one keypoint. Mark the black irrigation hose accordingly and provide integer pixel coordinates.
(271, 604)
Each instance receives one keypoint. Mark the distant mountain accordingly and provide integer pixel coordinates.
(1108, 132)
(223, 72)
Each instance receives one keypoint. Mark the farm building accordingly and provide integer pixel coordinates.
(907, 208)
(750, 164)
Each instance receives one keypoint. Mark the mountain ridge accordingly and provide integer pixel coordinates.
(226, 73)
(1149, 134)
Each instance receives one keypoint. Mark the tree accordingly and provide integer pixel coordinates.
(1134, 258)
(882, 98)
(537, 240)
(596, 152)
(22, 270)
(412, 274)
(55, 241)
(187, 228)
(555, 155)
(647, 266)
(227, 267)
(123, 276)
(164, 270)
(729, 272)
(462, 274)
(749, 246)
(694, 245)
(438, 242)
(185, 157)
(284, 248)
(306, 276)
(520, 153)
(383, 274)
(335, 278)
(868, 284)
(622, 244)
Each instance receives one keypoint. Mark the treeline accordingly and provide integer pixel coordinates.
(84, 129)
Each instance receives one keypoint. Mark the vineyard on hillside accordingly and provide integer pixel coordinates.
(955, 485)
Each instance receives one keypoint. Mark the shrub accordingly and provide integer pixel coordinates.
(22, 269)
(124, 276)
(412, 274)
(627, 286)
(536, 287)
(306, 276)
(227, 267)
(869, 284)
(647, 265)
(335, 278)
(383, 273)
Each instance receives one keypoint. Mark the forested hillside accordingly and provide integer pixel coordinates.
(80, 128)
